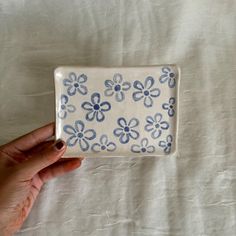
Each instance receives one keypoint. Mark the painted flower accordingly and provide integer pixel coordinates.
(168, 75)
(78, 134)
(145, 91)
(166, 145)
(64, 107)
(117, 87)
(155, 125)
(103, 145)
(169, 106)
(126, 130)
(143, 147)
(75, 84)
(96, 108)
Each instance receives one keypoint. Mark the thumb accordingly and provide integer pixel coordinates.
(42, 159)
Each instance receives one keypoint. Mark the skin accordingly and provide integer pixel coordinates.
(26, 164)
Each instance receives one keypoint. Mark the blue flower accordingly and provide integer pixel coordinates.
(75, 84)
(166, 145)
(126, 130)
(117, 87)
(155, 125)
(169, 106)
(146, 91)
(64, 107)
(143, 147)
(96, 108)
(78, 134)
(104, 144)
(168, 75)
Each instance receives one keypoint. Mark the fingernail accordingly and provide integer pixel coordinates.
(59, 145)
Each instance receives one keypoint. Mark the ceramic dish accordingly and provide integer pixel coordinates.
(112, 112)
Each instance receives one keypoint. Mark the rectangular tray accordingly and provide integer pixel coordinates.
(117, 112)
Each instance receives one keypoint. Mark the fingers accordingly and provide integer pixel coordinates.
(41, 159)
(58, 169)
(31, 139)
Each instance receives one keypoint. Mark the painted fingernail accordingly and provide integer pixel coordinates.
(59, 145)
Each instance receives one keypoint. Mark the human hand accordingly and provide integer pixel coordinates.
(25, 165)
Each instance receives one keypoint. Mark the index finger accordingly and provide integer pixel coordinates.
(31, 139)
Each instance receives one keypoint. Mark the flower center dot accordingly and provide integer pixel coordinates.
(146, 93)
(171, 106)
(103, 147)
(63, 107)
(168, 144)
(76, 85)
(143, 149)
(96, 107)
(79, 135)
(157, 126)
(172, 75)
(117, 87)
(126, 129)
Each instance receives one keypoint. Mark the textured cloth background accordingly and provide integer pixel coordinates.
(192, 193)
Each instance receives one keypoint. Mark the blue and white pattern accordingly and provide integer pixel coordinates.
(146, 91)
(96, 108)
(170, 106)
(117, 87)
(75, 84)
(127, 130)
(65, 107)
(166, 145)
(78, 134)
(143, 147)
(156, 125)
(103, 145)
(168, 75)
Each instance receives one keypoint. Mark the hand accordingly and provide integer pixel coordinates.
(25, 165)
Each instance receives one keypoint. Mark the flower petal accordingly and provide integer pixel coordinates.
(133, 123)
(95, 98)
(164, 125)
(167, 149)
(89, 134)
(122, 122)
(149, 81)
(111, 146)
(158, 117)
(72, 76)
(82, 89)
(137, 95)
(87, 106)
(162, 144)
(171, 82)
(163, 78)
(84, 145)
(64, 99)
(79, 125)
(71, 108)
(117, 78)
(150, 149)
(172, 100)
(96, 147)
(118, 131)
(150, 120)
(71, 90)
(155, 92)
(62, 114)
(109, 83)
(124, 138)
(169, 138)
(90, 115)
(165, 106)
(126, 86)
(133, 134)
(156, 133)
(120, 96)
(104, 139)
(105, 106)
(144, 142)
(135, 148)
(149, 127)
(100, 116)
(67, 82)
(138, 85)
(69, 129)
(148, 102)
(166, 69)
(171, 112)
(109, 92)
(71, 141)
(82, 78)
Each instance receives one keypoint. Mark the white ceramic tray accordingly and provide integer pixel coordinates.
(112, 112)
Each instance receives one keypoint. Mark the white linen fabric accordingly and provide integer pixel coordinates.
(191, 193)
